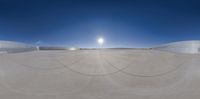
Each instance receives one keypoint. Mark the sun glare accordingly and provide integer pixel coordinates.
(100, 41)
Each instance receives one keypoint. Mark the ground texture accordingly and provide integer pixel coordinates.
(99, 74)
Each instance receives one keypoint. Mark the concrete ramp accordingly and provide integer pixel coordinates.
(188, 47)
(15, 47)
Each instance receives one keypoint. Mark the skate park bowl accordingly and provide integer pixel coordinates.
(152, 73)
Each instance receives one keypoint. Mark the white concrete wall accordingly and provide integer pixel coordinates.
(13, 47)
(190, 47)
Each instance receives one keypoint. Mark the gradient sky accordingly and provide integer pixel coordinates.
(123, 23)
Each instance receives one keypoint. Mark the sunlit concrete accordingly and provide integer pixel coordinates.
(190, 47)
(99, 74)
(15, 47)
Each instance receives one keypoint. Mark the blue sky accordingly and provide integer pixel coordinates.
(78, 23)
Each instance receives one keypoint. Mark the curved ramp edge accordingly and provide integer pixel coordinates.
(187, 47)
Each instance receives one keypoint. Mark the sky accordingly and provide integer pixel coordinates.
(78, 23)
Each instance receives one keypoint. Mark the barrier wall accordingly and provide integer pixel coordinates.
(190, 47)
(14, 47)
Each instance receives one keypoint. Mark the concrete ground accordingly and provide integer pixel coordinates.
(99, 74)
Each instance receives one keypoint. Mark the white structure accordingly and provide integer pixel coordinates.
(190, 47)
(13, 47)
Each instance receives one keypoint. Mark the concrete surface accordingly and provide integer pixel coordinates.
(15, 47)
(99, 74)
(189, 46)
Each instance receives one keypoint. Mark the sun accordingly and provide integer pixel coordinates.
(100, 41)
